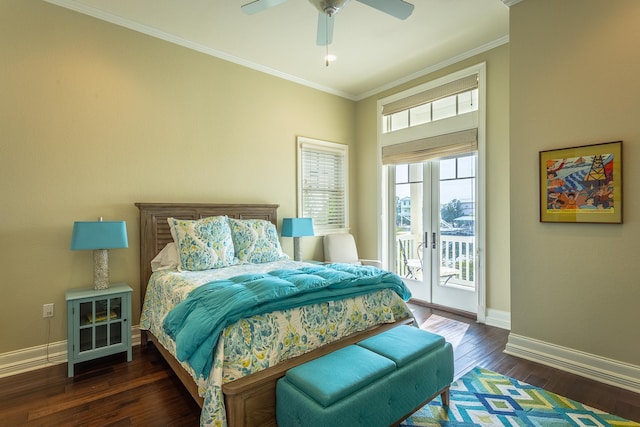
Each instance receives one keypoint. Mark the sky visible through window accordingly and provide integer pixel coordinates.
(454, 184)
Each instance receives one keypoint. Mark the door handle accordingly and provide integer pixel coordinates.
(433, 240)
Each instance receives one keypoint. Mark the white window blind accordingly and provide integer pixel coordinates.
(322, 189)
(454, 134)
(441, 146)
(433, 94)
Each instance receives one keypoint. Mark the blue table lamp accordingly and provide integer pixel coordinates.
(296, 228)
(99, 236)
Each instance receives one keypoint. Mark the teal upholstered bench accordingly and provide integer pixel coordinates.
(376, 382)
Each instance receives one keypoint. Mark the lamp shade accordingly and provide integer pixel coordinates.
(92, 235)
(297, 227)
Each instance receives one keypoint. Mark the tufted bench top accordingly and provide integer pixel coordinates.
(317, 378)
(403, 344)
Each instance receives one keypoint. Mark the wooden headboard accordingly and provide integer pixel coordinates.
(155, 233)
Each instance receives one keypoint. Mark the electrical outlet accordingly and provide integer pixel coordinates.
(47, 310)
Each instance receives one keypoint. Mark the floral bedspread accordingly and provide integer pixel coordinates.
(261, 341)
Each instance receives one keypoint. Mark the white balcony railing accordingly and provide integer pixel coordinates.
(456, 255)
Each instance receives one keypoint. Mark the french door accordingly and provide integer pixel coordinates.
(433, 242)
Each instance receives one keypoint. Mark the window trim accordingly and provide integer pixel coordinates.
(330, 147)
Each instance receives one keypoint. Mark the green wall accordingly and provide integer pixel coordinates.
(574, 81)
(95, 117)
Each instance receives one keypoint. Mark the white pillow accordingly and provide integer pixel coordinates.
(167, 259)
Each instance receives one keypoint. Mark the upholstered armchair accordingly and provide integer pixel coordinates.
(341, 247)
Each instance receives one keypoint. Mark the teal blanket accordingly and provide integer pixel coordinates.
(196, 323)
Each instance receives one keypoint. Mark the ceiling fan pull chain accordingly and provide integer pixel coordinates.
(326, 35)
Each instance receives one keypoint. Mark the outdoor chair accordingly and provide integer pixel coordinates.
(411, 265)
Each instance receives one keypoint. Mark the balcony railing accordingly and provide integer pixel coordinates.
(456, 257)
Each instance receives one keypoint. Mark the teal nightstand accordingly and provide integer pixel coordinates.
(98, 323)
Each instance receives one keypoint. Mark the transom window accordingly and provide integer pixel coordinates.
(428, 112)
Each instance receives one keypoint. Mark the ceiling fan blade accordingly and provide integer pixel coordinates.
(325, 29)
(398, 8)
(260, 5)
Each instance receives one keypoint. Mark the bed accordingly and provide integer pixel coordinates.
(241, 391)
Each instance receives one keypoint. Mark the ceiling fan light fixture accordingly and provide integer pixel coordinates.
(400, 9)
(330, 11)
(330, 7)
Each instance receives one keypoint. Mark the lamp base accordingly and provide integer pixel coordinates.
(100, 269)
(297, 250)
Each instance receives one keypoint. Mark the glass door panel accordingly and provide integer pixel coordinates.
(434, 236)
(115, 321)
(454, 281)
(101, 336)
(115, 308)
(86, 313)
(116, 333)
(86, 326)
(86, 339)
(408, 235)
(100, 323)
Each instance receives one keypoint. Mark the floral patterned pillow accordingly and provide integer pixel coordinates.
(255, 241)
(203, 244)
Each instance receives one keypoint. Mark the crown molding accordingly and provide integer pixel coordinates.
(162, 35)
(159, 34)
(428, 70)
(510, 3)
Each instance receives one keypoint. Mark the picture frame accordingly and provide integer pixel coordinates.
(582, 184)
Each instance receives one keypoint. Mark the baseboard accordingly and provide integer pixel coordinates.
(608, 371)
(451, 310)
(499, 319)
(42, 356)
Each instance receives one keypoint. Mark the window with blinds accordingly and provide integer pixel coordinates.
(436, 120)
(442, 102)
(322, 184)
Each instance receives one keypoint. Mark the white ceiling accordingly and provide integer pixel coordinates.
(375, 51)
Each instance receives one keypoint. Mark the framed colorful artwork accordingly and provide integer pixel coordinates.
(582, 184)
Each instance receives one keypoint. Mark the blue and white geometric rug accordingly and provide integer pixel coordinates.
(485, 398)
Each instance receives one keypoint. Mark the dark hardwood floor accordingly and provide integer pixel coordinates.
(144, 392)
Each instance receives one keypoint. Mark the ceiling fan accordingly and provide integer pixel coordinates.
(328, 9)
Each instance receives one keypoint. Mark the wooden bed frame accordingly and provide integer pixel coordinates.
(249, 401)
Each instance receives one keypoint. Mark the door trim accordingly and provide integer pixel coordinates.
(385, 199)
